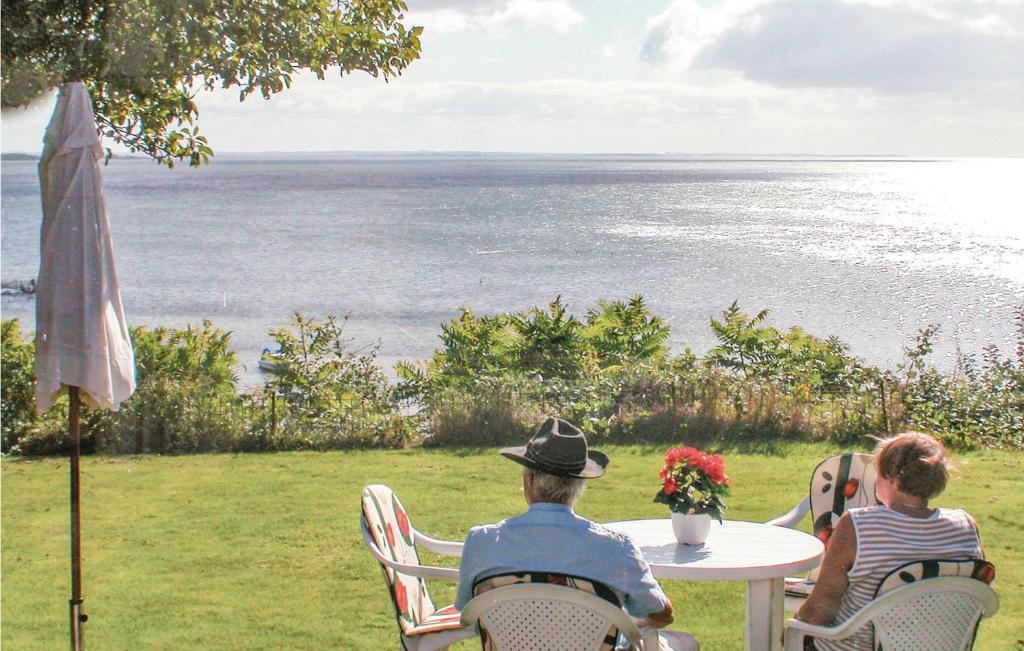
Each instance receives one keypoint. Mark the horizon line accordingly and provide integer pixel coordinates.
(506, 153)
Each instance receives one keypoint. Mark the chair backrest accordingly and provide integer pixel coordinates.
(551, 578)
(541, 617)
(386, 520)
(974, 568)
(939, 614)
(838, 484)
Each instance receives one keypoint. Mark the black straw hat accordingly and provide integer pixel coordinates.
(559, 448)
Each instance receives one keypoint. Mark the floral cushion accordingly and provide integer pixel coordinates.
(798, 587)
(448, 618)
(839, 484)
(593, 587)
(974, 568)
(388, 523)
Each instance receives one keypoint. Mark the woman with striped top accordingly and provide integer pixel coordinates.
(869, 543)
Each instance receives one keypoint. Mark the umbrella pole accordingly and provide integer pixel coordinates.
(77, 617)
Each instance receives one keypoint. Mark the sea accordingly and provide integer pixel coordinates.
(869, 250)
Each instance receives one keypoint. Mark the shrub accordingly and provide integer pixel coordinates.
(613, 376)
(24, 431)
(323, 395)
(494, 377)
(626, 333)
(496, 415)
(17, 385)
(977, 404)
(186, 397)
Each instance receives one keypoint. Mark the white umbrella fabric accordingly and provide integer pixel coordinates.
(81, 335)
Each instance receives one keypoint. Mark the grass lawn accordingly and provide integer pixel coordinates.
(264, 552)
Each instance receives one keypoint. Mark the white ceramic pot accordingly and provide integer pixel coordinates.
(691, 528)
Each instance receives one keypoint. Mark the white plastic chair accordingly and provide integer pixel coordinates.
(939, 614)
(393, 541)
(837, 484)
(542, 617)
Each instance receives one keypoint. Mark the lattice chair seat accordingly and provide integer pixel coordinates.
(838, 484)
(938, 614)
(545, 616)
(392, 539)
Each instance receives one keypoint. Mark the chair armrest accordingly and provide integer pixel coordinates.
(796, 630)
(425, 571)
(445, 547)
(793, 517)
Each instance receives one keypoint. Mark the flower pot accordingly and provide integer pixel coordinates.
(691, 528)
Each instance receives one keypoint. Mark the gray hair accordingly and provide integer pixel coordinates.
(559, 490)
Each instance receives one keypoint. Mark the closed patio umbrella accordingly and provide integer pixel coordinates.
(81, 336)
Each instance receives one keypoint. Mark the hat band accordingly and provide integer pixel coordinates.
(570, 466)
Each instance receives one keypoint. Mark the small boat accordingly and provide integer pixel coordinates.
(19, 286)
(271, 360)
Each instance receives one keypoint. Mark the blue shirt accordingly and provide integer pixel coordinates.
(552, 538)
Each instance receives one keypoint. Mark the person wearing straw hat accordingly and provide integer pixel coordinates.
(551, 538)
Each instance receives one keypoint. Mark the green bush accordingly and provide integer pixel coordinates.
(323, 395)
(24, 431)
(977, 404)
(17, 385)
(186, 397)
(617, 381)
(494, 377)
(496, 415)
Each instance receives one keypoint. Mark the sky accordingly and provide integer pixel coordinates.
(929, 78)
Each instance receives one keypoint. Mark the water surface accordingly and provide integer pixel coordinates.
(867, 250)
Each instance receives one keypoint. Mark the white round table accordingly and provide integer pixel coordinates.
(760, 554)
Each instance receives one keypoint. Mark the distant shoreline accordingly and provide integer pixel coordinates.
(504, 155)
(16, 156)
(19, 156)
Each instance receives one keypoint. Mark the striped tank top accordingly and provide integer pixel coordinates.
(887, 539)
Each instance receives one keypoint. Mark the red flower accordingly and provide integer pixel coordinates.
(824, 534)
(401, 598)
(850, 487)
(675, 455)
(692, 480)
(390, 532)
(670, 486)
(987, 573)
(403, 521)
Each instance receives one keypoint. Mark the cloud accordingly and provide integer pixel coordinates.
(676, 35)
(705, 112)
(574, 115)
(895, 46)
(561, 99)
(828, 43)
(461, 15)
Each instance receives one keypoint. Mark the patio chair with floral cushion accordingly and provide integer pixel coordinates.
(838, 484)
(930, 604)
(528, 614)
(392, 540)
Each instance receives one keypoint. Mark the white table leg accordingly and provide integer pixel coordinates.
(764, 614)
